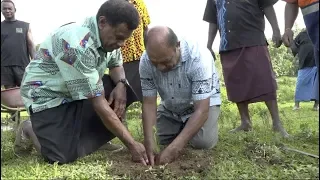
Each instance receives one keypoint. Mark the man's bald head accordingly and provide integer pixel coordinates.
(161, 36)
(163, 48)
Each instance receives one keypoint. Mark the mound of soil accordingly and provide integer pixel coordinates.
(190, 163)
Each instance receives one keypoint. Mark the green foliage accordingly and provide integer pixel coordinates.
(282, 60)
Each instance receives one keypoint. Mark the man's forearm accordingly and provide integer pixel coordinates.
(117, 73)
(111, 120)
(213, 29)
(149, 111)
(290, 15)
(272, 18)
(195, 122)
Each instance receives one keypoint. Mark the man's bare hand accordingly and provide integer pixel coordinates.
(168, 155)
(276, 38)
(118, 96)
(287, 37)
(150, 151)
(138, 153)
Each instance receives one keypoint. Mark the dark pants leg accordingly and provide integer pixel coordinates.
(132, 74)
(72, 130)
(11, 76)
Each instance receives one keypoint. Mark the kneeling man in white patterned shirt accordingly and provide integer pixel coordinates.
(184, 75)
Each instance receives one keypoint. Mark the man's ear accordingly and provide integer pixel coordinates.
(102, 21)
(178, 44)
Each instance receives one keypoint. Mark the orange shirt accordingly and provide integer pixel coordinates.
(302, 3)
(134, 46)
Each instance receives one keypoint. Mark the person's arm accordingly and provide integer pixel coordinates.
(267, 8)
(116, 70)
(149, 105)
(272, 18)
(213, 29)
(290, 14)
(90, 86)
(111, 120)
(30, 44)
(210, 16)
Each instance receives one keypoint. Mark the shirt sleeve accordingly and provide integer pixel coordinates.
(210, 13)
(78, 69)
(147, 81)
(115, 59)
(144, 14)
(201, 74)
(291, 1)
(266, 3)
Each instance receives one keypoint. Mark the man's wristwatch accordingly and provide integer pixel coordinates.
(124, 81)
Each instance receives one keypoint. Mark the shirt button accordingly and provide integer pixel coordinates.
(171, 84)
(228, 21)
(172, 97)
(228, 2)
(229, 31)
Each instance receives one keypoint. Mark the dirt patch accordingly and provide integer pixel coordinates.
(190, 163)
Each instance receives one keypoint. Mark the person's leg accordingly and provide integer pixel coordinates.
(274, 111)
(132, 74)
(168, 127)
(58, 131)
(7, 77)
(207, 137)
(316, 106)
(18, 72)
(245, 125)
(296, 105)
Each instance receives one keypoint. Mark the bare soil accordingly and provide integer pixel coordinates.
(190, 163)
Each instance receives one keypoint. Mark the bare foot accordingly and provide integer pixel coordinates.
(281, 130)
(242, 127)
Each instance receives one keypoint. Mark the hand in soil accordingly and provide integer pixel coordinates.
(151, 157)
(168, 155)
(138, 153)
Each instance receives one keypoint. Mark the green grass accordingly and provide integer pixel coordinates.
(253, 155)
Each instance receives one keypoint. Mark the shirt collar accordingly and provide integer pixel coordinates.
(92, 24)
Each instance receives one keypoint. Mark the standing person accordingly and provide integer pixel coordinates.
(184, 75)
(307, 73)
(134, 47)
(74, 108)
(17, 47)
(310, 11)
(245, 58)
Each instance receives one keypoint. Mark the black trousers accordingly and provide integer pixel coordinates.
(11, 76)
(73, 130)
